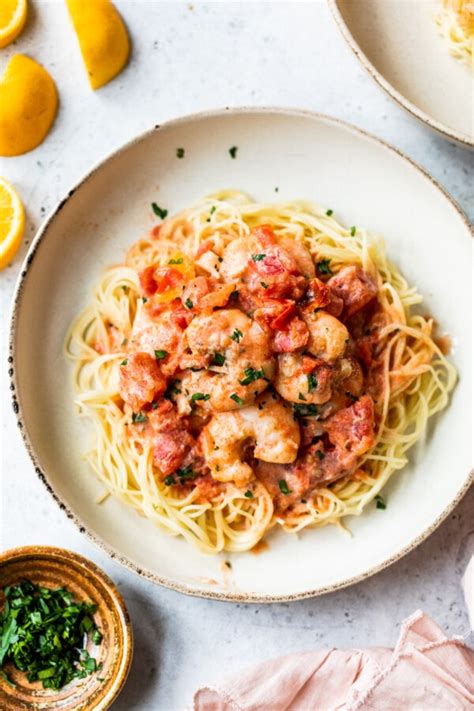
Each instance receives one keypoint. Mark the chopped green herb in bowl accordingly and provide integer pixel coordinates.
(45, 634)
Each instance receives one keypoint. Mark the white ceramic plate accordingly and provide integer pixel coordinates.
(304, 155)
(397, 41)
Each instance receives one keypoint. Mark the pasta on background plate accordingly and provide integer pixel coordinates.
(251, 366)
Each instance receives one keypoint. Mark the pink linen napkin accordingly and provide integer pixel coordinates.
(425, 671)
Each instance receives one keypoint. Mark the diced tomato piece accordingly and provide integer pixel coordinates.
(354, 286)
(264, 234)
(167, 278)
(283, 318)
(294, 336)
(318, 292)
(170, 449)
(155, 231)
(352, 428)
(365, 349)
(218, 298)
(147, 281)
(180, 316)
(141, 380)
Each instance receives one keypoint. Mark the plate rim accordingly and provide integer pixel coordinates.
(96, 539)
(437, 126)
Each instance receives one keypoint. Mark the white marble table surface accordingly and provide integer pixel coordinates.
(188, 58)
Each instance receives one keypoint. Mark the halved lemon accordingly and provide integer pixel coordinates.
(28, 105)
(12, 222)
(12, 20)
(103, 38)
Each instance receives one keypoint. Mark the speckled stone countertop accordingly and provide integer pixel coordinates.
(188, 58)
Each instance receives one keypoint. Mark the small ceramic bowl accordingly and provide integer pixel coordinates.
(56, 567)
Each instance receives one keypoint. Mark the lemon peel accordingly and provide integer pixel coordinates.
(12, 222)
(28, 105)
(103, 39)
(13, 15)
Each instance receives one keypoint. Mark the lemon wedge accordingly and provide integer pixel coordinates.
(28, 105)
(12, 20)
(103, 39)
(12, 222)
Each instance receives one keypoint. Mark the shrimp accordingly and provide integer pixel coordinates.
(152, 333)
(238, 356)
(270, 265)
(268, 426)
(302, 379)
(328, 337)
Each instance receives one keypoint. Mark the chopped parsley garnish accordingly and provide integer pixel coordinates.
(323, 266)
(352, 397)
(305, 410)
(139, 417)
(320, 455)
(251, 375)
(284, 487)
(154, 405)
(228, 563)
(144, 299)
(180, 153)
(380, 502)
(125, 288)
(186, 473)
(258, 257)
(218, 359)
(264, 284)
(124, 342)
(178, 260)
(169, 481)
(233, 151)
(248, 494)
(237, 335)
(312, 382)
(124, 362)
(301, 396)
(277, 189)
(353, 231)
(43, 633)
(200, 396)
(236, 399)
(329, 212)
(159, 355)
(188, 303)
(159, 211)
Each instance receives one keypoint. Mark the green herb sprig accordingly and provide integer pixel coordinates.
(44, 632)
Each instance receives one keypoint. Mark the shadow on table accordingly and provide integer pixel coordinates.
(148, 639)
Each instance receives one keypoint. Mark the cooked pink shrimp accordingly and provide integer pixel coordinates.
(238, 356)
(268, 426)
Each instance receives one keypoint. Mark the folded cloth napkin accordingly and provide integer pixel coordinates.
(425, 672)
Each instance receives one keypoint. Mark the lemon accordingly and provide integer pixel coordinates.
(28, 105)
(12, 20)
(103, 39)
(12, 222)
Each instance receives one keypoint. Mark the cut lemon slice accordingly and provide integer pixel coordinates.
(103, 39)
(12, 222)
(12, 20)
(28, 105)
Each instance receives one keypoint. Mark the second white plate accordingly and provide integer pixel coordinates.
(397, 41)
